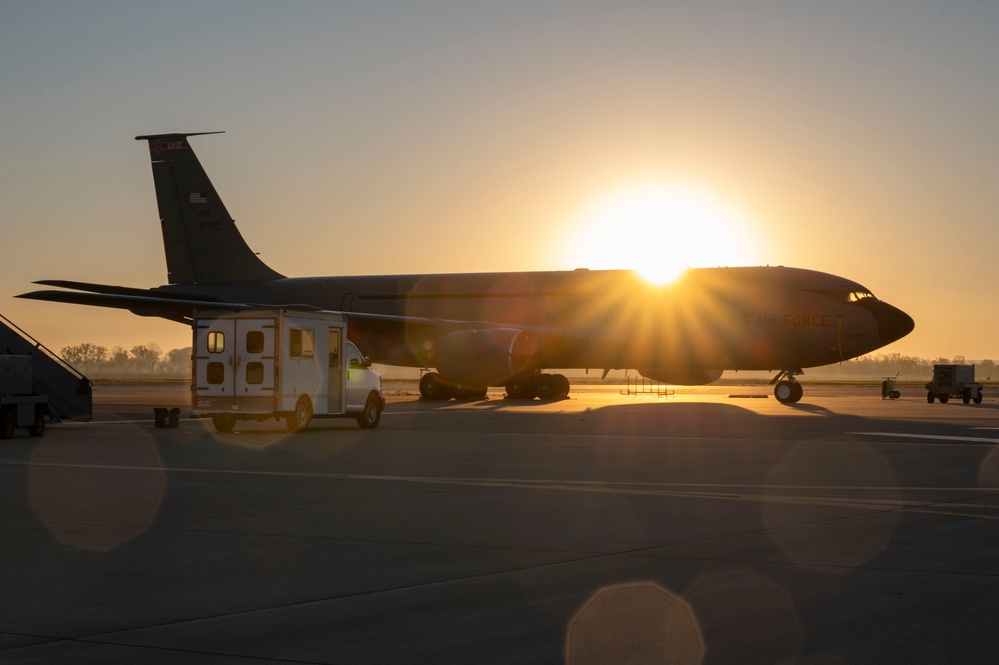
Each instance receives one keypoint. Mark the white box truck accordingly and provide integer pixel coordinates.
(280, 363)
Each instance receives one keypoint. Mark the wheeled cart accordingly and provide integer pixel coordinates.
(888, 388)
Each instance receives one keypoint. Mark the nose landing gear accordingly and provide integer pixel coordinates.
(786, 389)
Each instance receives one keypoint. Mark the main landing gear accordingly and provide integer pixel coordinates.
(435, 387)
(787, 390)
(543, 386)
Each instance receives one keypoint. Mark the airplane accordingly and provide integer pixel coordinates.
(506, 329)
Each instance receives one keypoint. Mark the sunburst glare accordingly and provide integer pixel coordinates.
(659, 230)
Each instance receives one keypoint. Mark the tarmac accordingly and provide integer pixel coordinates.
(708, 525)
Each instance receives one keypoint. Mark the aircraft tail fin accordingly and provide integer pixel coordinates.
(200, 238)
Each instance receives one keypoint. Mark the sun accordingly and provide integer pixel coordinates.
(659, 230)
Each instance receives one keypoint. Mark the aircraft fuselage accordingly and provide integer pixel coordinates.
(756, 318)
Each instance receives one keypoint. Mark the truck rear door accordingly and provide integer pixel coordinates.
(234, 364)
(214, 358)
(255, 355)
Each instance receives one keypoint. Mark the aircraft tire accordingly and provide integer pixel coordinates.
(470, 393)
(372, 414)
(563, 386)
(433, 387)
(788, 392)
(223, 422)
(521, 390)
(547, 386)
(299, 419)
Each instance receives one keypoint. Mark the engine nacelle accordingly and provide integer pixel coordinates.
(683, 377)
(488, 357)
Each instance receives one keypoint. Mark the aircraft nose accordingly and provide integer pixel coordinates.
(893, 323)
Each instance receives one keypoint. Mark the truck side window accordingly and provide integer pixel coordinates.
(303, 343)
(354, 359)
(216, 342)
(334, 360)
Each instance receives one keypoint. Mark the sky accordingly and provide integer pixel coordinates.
(856, 138)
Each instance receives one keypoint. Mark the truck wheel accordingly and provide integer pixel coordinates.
(372, 414)
(978, 397)
(7, 424)
(39, 427)
(929, 398)
(943, 398)
(966, 396)
(224, 422)
(300, 418)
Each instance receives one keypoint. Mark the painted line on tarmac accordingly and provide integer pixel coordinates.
(106, 422)
(932, 437)
(876, 505)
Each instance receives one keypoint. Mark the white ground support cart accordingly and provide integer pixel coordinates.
(954, 381)
(278, 363)
(37, 386)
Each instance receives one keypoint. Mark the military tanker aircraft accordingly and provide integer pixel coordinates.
(506, 329)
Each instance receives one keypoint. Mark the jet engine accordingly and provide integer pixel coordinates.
(683, 377)
(487, 357)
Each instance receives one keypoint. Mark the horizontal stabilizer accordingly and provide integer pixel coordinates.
(175, 136)
(175, 309)
(118, 290)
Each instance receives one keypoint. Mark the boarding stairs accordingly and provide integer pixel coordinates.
(70, 393)
(640, 386)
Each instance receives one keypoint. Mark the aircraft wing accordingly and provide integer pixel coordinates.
(389, 339)
(181, 309)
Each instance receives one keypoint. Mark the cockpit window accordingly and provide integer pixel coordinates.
(847, 296)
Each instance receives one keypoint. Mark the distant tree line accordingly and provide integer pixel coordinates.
(95, 360)
(907, 367)
(148, 360)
